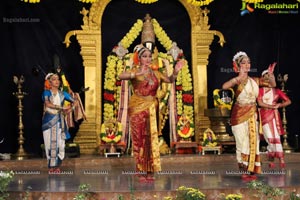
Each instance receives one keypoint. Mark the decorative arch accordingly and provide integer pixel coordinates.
(90, 38)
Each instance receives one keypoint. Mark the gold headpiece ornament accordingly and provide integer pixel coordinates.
(148, 35)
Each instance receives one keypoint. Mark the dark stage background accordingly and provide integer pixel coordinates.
(31, 45)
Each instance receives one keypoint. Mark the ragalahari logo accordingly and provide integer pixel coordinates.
(271, 8)
(246, 9)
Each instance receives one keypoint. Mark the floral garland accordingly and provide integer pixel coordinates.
(146, 1)
(88, 1)
(161, 35)
(31, 1)
(132, 34)
(193, 2)
(253, 1)
(114, 138)
(199, 2)
(219, 103)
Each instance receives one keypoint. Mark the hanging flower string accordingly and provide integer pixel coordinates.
(199, 2)
(193, 2)
(161, 35)
(132, 34)
(146, 1)
(31, 1)
(253, 1)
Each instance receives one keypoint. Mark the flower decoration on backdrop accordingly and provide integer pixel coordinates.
(253, 1)
(209, 138)
(185, 127)
(111, 131)
(220, 102)
(146, 1)
(31, 1)
(197, 3)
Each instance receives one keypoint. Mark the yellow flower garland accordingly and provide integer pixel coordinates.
(132, 34)
(199, 2)
(117, 136)
(31, 1)
(161, 35)
(253, 1)
(146, 1)
(88, 1)
(193, 2)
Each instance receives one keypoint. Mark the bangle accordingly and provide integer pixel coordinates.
(132, 75)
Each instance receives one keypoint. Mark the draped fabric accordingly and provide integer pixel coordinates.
(271, 121)
(79, 112)
(54, 127)
(143, 106)
(267, 115)
(245, 126)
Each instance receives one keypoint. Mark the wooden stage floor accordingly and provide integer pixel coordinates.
(112, 177)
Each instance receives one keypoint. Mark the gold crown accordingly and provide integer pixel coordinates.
(148, 35)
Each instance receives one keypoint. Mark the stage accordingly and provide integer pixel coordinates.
(113, 177)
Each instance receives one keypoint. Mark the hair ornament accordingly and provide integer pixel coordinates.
(238, 55)
(48, 76)
(265, 72)
(140, 49)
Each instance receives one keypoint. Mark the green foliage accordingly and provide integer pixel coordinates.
(5, 179)
(263, 190)
(294, 196)
(84, 192)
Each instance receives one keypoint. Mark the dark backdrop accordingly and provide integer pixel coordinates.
(28, 48)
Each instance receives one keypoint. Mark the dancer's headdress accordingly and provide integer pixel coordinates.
(237, 58)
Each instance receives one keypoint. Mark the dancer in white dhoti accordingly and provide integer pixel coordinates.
(244, 121)
(55, 130)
